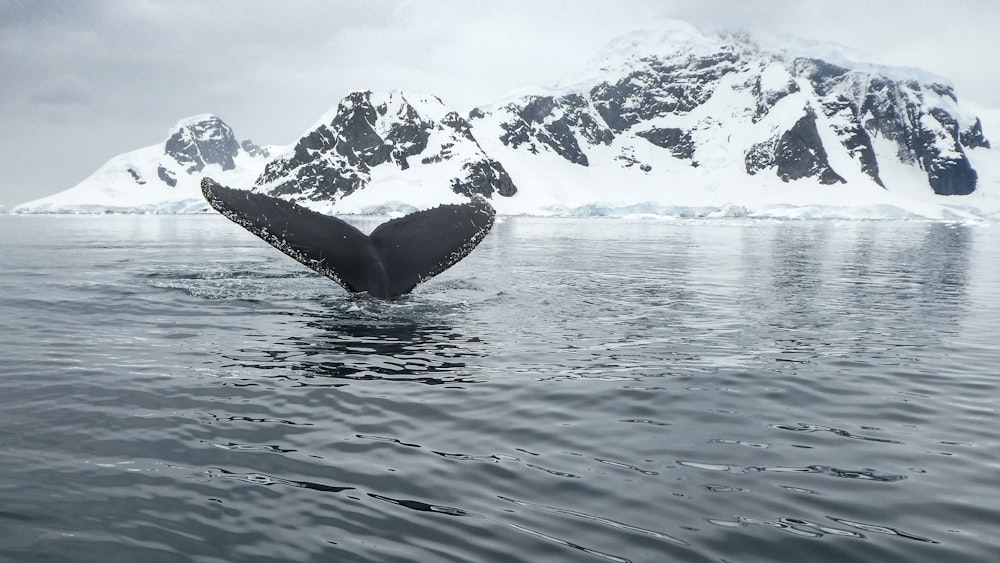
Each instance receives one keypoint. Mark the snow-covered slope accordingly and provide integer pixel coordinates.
(380, 152)
(673, 121)
(162, 178)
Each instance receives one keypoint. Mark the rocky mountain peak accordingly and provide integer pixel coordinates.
(370, 130)
(200, 140)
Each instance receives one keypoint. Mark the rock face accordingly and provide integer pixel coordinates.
(921, 119)
(205, 141)
(722, 101)
(797, 153)
(554, 123)
(385, 133)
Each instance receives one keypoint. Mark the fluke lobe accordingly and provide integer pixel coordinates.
(391, 261)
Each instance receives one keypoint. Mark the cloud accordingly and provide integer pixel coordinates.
(71, 91)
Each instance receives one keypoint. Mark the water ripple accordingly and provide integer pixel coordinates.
(590, 517)
(862, 474)
(573, 390)
(801, 427)
(268, 480)
(451, 511)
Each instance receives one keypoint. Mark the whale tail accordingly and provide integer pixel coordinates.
(391, 261)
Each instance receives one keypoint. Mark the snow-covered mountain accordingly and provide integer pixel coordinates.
(668, 121)
(674, 121)
(378, 152)
(162, 178)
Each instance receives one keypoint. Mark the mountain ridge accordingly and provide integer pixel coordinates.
(405, 132)
(669, 88)
(671, 121)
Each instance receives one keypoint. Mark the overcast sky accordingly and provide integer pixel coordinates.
(82, 81)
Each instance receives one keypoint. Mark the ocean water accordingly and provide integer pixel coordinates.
(173, 389)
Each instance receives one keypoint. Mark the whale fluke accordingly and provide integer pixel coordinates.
(391, 261)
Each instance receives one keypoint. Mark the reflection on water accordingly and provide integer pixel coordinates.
(817, 289)
(365, 347)
(573, 390)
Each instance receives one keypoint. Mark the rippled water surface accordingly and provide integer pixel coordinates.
(173, 389)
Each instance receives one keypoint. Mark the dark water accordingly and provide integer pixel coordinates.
(172, 389)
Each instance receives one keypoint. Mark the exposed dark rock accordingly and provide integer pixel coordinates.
(627, 158)
(800, 153)
(254, 150)
(457, 123)
(332, 160)
(760, 156)
(888, 114)
(166, 176)
(555, 122)
(443, 155)
(318, 181)
(609, 100)
(677, 141)
(537, 109)
(407, 139)
(209, 141)
(952, 177)
(357, 141)
(821, 74)
(927, 137)
(948, 168)
(662, 89)
(135, 176)
(944, 90)
(484, 177)
(797, 153)
(972, 138)
(560, 137)
(853, 136)
(766, 99)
